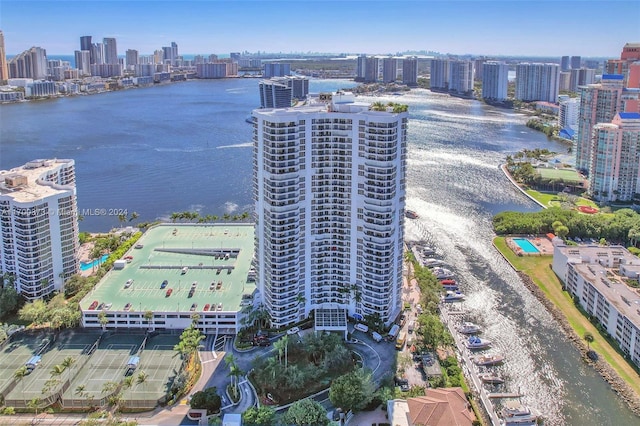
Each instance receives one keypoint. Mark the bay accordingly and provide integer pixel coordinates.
(186, 146)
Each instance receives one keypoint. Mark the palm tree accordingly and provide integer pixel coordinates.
(67, 363)
(79, 390)
(148, 315)
(33, 404)
(56, 370)
(588, 337)
(234, 371)
(19, 375)
(133, 216)
(142, 378)
(103, 320)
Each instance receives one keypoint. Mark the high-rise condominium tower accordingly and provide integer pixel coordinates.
(614, 173)
(110, 51)
(389, 70)
(4, 70)
(410, 71)
(599, 103)
(39, 226)
(329, 190)
(495, 80)
(537, 82)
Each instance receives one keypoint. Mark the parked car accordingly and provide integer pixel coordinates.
(293, 330)
(164, 284)
(168, 293)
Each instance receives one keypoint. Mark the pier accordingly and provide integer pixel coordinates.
(471, 370)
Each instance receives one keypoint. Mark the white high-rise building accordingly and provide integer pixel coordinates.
(460, 76)
(410, 71)
(568, 113)
(439, 74)
(329, 189)
(39, 226)
(537, 82)
(83, 61)
(495, 80)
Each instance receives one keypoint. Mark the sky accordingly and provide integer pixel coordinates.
(481, 27)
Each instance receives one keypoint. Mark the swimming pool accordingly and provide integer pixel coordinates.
(84, 266)
(526, 245)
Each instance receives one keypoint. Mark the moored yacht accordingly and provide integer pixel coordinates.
(453, 296)
(432, 262)
(491, 379)
(428, 251)
(474, 342)
(488, 360)
(469, 328)
(449, 284)
(515, 413)
(411, 214)
(442, 273)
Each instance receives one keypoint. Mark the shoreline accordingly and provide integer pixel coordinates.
(617, 384)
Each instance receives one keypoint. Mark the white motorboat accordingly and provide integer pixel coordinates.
(488, 360)
(411, 214)
(428, 251)
(474, 342)
(491, 379)
(453, 296)
(442, 273)
(432, 262)
(514, 413)
(469, 328)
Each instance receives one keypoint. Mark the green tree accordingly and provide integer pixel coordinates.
(189, 341)
(103, 320)
(306, 412)
(352, 391)
(148, 315)
(207, 399)
(35, 312)
(588, 337)
(19, 375)
(259, 416)
(9, 300)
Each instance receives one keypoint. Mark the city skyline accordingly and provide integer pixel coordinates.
(498, 28)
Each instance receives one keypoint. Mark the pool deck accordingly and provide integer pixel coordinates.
(541, 243)
(163, 252)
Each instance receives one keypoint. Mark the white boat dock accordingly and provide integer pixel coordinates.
(471, 369)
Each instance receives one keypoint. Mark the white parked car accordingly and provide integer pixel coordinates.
(361, 327)
(293, 330)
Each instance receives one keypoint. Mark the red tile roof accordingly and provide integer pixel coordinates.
(441, 407)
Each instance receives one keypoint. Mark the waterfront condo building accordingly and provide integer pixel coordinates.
(4, 70)
(599, 103)
(537, 82)
(276, 69)
(389, 70)
(39, 226)
(439, 74)
(461, 76)
(279, 92)
(596, 277)
(495, 80)
(31, 63)
(568, 113)
(410, 71)
(329, 189)
(614, 172)
(565, 64)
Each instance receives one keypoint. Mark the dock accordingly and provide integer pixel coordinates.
(498, 395)
(471, 370)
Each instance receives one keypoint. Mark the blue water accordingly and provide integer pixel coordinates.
(85, 266)
(186, 146)
(526, 245)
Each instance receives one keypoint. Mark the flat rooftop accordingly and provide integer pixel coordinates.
(27, 187)
(163, 251)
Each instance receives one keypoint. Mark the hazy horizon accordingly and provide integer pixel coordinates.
(515, 28)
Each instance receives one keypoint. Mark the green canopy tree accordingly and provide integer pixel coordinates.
(207, 399)
(352, 391)
(306, 412)
(260, 416)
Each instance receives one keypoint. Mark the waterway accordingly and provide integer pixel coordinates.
(186, 146)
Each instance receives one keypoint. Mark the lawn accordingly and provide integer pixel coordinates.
(565, 174)
(551, 199)
(538, 268)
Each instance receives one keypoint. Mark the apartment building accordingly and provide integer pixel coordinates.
(329, 190)
(39, 226)
(495, 80)
(537, 82)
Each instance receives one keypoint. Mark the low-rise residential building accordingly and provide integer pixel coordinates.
(595, 276)
(439, 407)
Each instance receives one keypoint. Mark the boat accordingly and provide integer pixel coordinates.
(449, 284)
(491, 379)
(453, 296)
(442, 273)
(515, 413)
(474, 342)
(432, 262)
(469, 328)
(428, 251)
(488, 360)
(411, 214)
